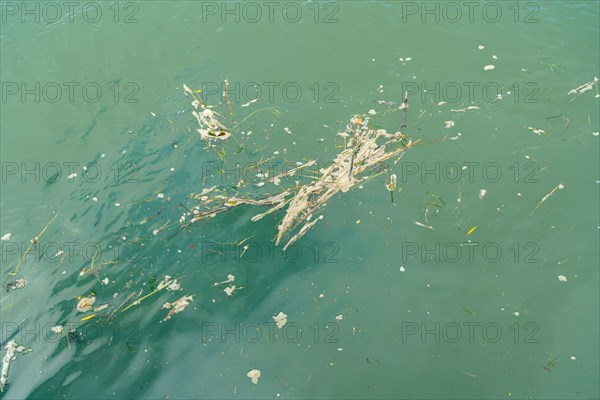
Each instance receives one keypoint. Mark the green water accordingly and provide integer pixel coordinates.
(398, 336)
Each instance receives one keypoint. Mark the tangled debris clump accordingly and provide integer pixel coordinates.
(86, 303)
(365, 149)
(16, 284)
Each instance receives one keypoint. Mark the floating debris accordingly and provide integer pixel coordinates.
(230, 278)
(558, 187)
(562, 278)
(467, 109)
(472, 230)
(579, 90)
(280, 319)
(423, 225)
(16, 284)
(177, 306)
(210, 127)
(391, 186)
(229, 290)
(12, 348)
(58, 329)
(254, 375)
(34, 241)
(448, 124)
(481, 47)
(482, 193)
(339, 317)
(86, 303)
(6, 236)
(101, 307)
(365, 151)
(250, 102)
(489, 67)
(537, 131)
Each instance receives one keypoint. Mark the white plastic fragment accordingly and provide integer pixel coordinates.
(280, 319)
(339, 317)
(562, 278)
(6, 236)
(229, 290)
(58, 329)
(482, 193)
(489, 67)
(254, 375)
(537, 131)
